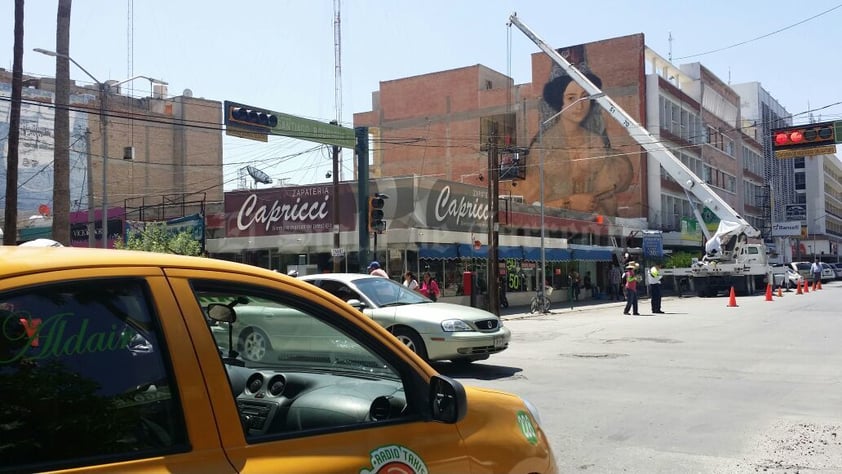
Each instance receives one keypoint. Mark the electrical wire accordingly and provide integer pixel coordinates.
(762, 36)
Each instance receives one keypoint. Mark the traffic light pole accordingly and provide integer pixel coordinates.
(337, 260)
(361, 149)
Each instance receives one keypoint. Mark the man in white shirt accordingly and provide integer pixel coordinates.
(653, 278)
(816, 270)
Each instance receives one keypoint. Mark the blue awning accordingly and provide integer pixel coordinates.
(591, 255)
(438, 251)
(468, 251)
(550, 255)
(455, 251)
(510, 252)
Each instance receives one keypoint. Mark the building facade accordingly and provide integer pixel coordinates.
(164, 155)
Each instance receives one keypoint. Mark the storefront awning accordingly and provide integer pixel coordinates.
(550, 255)
(438, 252)
(591, 255)
(455, 251)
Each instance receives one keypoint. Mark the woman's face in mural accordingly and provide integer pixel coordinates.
(579, 110)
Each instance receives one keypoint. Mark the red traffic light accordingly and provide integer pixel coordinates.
(791, 137)
(816, 134)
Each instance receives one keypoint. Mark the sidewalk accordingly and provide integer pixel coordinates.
(522, 311)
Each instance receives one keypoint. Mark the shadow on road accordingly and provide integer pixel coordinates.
(476, 370)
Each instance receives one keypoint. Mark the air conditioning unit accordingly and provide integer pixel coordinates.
(513, 198)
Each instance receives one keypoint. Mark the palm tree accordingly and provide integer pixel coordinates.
(61, 147)
(10, 228)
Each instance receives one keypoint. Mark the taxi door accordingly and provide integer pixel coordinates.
(405, 443)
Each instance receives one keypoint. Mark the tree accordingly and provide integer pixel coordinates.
(10, 228)
(157, 237)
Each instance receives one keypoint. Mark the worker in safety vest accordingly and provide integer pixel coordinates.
(653, 279)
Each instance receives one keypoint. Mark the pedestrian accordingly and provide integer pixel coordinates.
(375, 270)
(588, 284)
(574, 284)
(631, 290)
(504, 301)
(615, 276)
(816, 270)
(409, 281)
(654, 280)
(429, 287)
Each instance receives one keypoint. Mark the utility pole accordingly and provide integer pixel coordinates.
(90, 184)
(10, 228)
(493, 221)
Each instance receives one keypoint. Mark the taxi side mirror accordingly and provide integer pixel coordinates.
(448, 401)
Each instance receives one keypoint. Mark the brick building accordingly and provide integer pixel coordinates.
(164, 153)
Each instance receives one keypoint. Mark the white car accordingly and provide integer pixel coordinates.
(828, 273)
(433, 330)
(786, 277)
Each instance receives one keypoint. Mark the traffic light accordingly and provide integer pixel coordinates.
(252, 118)
(803, 136)
(375, 214)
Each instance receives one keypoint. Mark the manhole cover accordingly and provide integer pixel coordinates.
(595, 355)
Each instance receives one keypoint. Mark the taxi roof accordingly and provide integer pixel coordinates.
(16, 260)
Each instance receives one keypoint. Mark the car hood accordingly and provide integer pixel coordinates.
(435, 311)
(513, 423)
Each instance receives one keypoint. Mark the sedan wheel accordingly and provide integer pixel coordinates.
(255, 345)
(412, 340)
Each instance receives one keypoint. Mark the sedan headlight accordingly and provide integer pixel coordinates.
(454, 325)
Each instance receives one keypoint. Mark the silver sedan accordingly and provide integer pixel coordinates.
(433, 330)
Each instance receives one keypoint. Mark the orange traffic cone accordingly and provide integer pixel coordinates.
(769, 292)
(798, 288)
(780, 292)
(732, 299)
(806, 286)
(819, 282)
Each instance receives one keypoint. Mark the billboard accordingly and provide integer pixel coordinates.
(786, 229)
(591, 164)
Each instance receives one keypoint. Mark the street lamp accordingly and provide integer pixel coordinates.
(543, 272)
(104, 89)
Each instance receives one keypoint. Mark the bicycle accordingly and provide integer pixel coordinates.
(541, 301)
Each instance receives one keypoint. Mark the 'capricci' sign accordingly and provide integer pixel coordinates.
(267, 215)
(459, 208)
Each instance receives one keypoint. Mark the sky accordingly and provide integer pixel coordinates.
(280, 55)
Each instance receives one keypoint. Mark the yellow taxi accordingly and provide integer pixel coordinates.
(121, 361)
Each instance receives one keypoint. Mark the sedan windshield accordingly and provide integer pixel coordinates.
(385, 292)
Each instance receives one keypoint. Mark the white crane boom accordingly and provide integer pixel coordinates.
(676, 169)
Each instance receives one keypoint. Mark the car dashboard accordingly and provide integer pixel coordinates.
(272, 402)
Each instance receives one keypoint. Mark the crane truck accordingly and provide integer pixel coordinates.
(730, 260)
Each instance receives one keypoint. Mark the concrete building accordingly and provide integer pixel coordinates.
(818, 182)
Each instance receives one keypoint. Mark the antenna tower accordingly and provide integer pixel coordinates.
(337, 50)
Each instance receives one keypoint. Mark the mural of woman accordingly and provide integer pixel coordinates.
(581, 170)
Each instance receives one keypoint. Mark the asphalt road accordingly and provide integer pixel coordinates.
(703, 388)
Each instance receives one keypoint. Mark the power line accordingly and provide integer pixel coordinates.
(762, 36)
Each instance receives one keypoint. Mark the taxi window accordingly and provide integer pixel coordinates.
(296, 369)
(84, 375)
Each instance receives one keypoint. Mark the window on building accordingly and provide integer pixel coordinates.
(800, 181)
